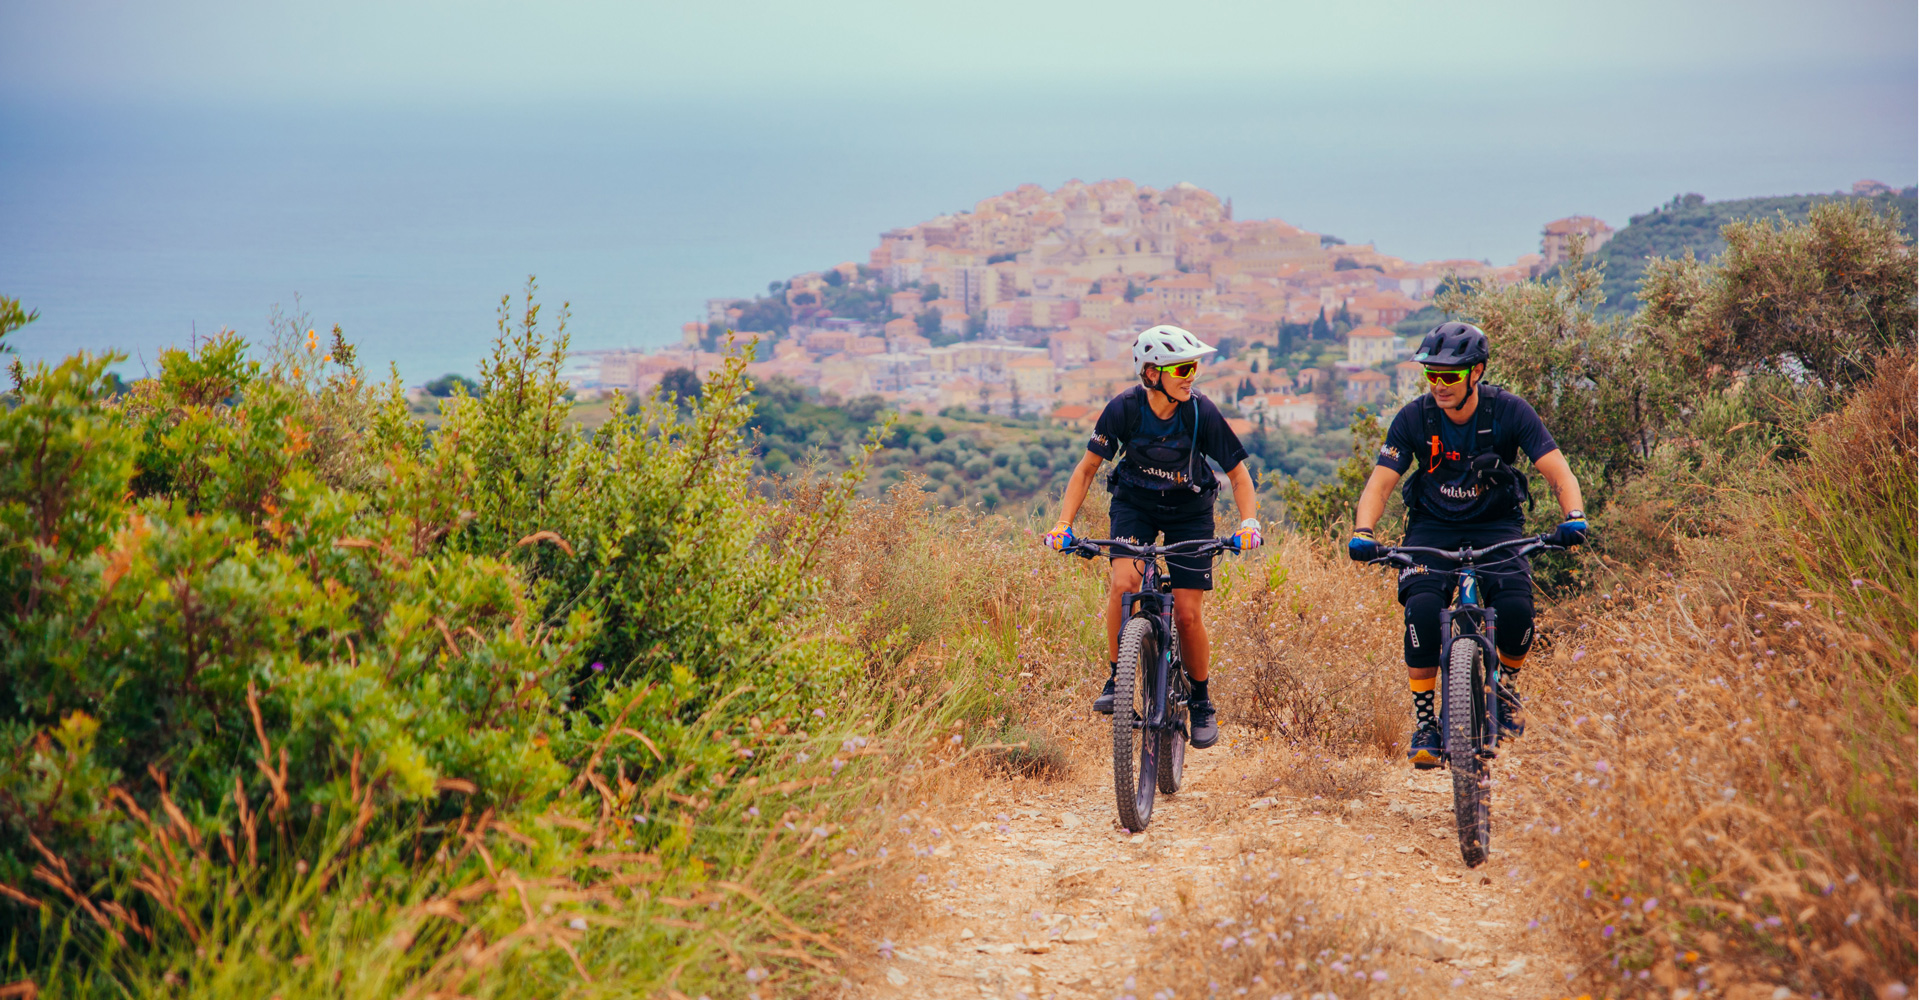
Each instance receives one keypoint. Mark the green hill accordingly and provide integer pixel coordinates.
(971, 457)
(1690, 222)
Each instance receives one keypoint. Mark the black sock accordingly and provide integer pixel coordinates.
(1199, 691)
(1113, 669)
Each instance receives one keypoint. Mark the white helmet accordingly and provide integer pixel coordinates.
(1166, 345)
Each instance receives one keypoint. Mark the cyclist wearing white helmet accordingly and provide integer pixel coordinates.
(1164, 433)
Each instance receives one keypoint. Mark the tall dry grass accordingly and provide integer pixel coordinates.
(1305, 648)
(1719, 777)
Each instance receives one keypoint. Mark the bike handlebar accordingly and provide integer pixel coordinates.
(1526, 545)
(1089, 548)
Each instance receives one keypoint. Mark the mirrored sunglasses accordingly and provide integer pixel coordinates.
(1447, 376)
(1181, 370)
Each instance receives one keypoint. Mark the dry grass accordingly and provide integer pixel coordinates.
(1276, 931)
(1722, 791)
(1306, 648)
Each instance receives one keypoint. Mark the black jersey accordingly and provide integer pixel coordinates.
(1164, 460)
(1443, 483)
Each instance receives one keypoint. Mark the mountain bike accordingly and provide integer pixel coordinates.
(1469, 691)
(1150, 685)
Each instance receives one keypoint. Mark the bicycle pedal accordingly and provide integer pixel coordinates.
(1488, 753)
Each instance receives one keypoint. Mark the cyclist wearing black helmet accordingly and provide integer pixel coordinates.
(1460, 441)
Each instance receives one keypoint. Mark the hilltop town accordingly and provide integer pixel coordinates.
(1028, 305)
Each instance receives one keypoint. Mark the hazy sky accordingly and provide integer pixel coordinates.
(396, 51)
(168, 166)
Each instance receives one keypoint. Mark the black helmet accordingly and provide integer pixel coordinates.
(1453, 345)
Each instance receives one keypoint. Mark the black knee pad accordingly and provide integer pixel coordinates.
(1420, 639)
(1515, 622)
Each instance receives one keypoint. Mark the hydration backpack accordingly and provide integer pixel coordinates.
(1130, 403)
(1485, 463)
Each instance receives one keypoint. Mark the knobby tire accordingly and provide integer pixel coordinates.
(1465, 704)
(1133, 778)
(1173, 742)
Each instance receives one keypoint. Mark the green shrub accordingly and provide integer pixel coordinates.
(256, 612)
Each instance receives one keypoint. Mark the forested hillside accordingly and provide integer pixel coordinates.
(1690, 223)
(967, 458)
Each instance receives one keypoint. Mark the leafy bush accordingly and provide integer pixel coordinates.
(258, 614)
(1825, 299)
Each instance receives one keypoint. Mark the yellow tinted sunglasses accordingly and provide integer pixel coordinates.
(1181, 370)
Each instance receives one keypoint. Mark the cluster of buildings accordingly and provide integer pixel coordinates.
(1050, 288)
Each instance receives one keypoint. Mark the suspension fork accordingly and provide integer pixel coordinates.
(1490, 656)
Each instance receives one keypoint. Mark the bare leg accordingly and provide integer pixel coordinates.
(1194, 650)
(1123, 577)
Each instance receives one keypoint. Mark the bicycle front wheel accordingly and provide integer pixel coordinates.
(1466, 707)
(1173, 740)
(1133, 779)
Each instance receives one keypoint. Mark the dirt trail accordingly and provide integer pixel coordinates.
(1057, 901)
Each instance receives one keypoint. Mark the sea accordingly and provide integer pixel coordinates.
(135, 227)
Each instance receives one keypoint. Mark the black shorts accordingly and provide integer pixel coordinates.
(1141, 523)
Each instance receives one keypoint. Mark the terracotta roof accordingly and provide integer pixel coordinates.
(1370, 331)
(1577, 224)
(1367, 375)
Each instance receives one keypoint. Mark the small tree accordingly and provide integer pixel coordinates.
(1327, 510)
(1321, 329)
(1603, 392)
(12, 318)
(681, 386)
(1824, 299)
(445, 385)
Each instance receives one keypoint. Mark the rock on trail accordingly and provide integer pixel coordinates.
(1055, 901)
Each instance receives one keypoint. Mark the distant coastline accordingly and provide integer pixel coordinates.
(1027, 304)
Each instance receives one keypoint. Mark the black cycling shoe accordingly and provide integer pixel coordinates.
(1206, 728)
(1513, 719)
(1104, 703)
(1424, 750)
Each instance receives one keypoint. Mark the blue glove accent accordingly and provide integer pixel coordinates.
(1060, 540)
(1569, 533)
(1362, 548)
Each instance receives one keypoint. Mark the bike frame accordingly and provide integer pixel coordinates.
(1154, 601)
(1482, 619)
